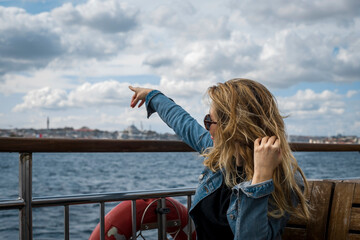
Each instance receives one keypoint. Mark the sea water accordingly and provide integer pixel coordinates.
(83, 173)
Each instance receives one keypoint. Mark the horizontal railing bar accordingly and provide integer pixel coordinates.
(90, 145)
(108, 145)
(96, 198)
(109, 197)
(11, 204)
(324, 147)
(117, 196)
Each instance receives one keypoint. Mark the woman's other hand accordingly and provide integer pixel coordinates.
(139, 95)
(267, 157)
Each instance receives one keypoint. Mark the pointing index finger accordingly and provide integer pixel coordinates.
(132, 88)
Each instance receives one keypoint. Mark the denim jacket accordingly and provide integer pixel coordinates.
(248, 208)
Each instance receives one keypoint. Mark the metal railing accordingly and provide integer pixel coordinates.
(25, 203)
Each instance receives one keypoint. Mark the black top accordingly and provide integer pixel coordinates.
(211, 217)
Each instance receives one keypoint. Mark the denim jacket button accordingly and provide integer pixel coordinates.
(201, 177)
(232, 216)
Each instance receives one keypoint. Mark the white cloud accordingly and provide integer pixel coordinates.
(282, 60)
(283, 12)
(319, 113)
(184, 89)
(348, 59)
(85, 96)
(280, 56)
(159, 60)
(23, 83)
(174, 15)
(96, 29)
(351, 93)
(104, 93)
(307, 104)
(104, 16)
(27, 41)
(208, 60)
(164, 16)
(43, 98)
(223, 44)
(108, 92)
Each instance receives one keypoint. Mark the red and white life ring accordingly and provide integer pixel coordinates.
(118, 224)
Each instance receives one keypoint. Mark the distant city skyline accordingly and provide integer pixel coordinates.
(140, 128)
(133, 133)
(74, 60)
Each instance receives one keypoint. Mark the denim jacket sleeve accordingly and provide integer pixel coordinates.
(190, 131)
(251, 220)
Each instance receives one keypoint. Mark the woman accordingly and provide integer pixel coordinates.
(251, 183)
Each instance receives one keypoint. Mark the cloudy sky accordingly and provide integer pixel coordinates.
(73, 60)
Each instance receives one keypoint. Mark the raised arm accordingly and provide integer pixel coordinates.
(185, 126)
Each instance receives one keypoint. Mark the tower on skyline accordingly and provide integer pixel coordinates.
(48, 123)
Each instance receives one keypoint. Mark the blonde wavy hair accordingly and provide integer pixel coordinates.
(245, 111)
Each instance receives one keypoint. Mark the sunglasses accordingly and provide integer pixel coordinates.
(208, 122)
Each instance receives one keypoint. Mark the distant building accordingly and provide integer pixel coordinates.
(84, 129)
(340, 139)
(133, 132)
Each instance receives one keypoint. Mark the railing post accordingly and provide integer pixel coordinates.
(189, 218)
(25, 193)
(161, 211)
(66, 223)
(102, 220)
(133, 219)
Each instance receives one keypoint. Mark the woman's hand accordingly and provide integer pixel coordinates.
(267, 157)
(139, 95)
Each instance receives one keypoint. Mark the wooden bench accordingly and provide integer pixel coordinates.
(335, 212)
